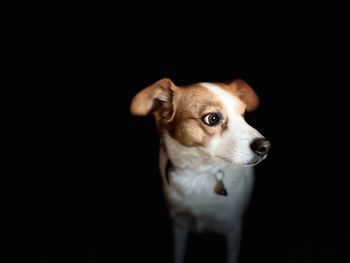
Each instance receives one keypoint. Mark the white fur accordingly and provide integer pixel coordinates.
(234, 144)
(190, 192)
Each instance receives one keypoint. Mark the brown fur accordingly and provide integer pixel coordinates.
(193, 103)
(179, 110)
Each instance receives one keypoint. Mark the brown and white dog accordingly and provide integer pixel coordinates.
(207, 151)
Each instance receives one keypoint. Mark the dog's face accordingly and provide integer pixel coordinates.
(206, 118)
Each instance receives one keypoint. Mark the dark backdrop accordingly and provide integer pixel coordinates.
(84, 181)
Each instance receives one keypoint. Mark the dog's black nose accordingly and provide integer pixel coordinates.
(260, 146)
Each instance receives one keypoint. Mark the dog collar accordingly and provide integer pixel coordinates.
(219, 187)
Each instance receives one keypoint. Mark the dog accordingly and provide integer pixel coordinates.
(206, 157)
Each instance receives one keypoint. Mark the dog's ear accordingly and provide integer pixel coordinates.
(156, 97)
(245, 93)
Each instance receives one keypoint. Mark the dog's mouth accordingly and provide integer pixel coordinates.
(254, 162)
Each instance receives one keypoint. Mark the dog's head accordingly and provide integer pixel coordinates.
(206, 119)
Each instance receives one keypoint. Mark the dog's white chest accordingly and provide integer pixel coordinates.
(194, 203)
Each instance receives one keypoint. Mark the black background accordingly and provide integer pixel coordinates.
(84, 181)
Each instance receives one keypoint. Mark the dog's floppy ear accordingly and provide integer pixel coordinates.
(245, 93)
(156, 97)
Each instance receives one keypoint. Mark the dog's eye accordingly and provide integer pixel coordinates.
(211, 119)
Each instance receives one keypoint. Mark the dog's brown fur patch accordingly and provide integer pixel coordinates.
(193, 102)
(179, 110)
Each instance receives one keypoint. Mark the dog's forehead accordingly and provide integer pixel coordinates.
(197, 94)
(210, 94)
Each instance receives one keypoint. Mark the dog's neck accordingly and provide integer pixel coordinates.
(189, 162)
(193, 159)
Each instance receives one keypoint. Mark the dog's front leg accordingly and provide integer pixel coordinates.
(233, 240)
(180, 242)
